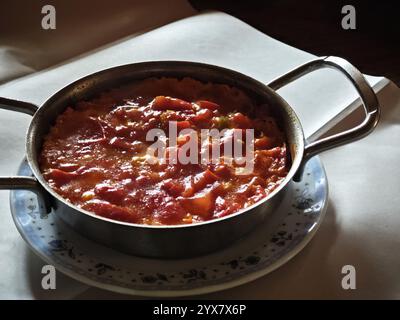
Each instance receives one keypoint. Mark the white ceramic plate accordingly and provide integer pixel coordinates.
(288, 230)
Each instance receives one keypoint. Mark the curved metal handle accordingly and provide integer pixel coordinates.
(367, 95)
(16, 105)
(23, 182)
(26, 183)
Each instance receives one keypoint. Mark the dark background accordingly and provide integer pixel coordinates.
(315, 26)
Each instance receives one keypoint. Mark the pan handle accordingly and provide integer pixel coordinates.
(27, 183)
(367, 95)
(23, 182)
(16, 105)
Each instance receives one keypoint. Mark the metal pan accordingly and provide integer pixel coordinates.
(194, 239)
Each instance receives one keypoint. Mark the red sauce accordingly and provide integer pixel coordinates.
(94, 155)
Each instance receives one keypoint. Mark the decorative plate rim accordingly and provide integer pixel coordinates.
(240, 280)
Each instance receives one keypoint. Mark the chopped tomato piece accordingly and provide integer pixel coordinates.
(207, 104)
(61, 177)
(171, 213)
(263, 143)
(241, 121)
(222, 170)
(172, 187)
(112, 211)
(224, 208)
(201, 205)
(199, 182)
(257, 193)
(203, 115)
(109, 193)
(275, 152)
(183, 125)
(168, 103)
(203, 179)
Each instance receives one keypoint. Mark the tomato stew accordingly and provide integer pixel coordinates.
(95, 155)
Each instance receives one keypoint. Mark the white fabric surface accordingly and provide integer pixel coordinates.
(361, 228)
(362, 222)
(81, 26)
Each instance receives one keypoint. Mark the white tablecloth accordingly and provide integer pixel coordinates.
(361, 228)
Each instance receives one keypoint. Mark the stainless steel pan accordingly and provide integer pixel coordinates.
(182, 240)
